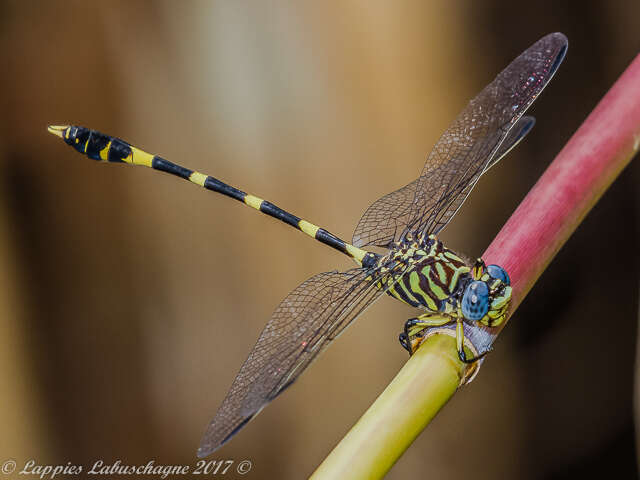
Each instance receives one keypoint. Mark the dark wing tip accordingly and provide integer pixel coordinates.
(558, 37)
(560, 40)
(208, 446)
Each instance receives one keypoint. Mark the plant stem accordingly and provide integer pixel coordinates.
(427, 380)
(588, 164)
(592, 159)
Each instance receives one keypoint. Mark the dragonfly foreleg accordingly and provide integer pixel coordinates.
(416, 328)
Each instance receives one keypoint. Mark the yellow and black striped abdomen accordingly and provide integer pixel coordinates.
(433, 279)
(105, 148)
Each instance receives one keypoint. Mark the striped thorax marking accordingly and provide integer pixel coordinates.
(434, 278)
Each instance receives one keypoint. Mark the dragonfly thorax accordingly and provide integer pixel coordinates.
(432, 274)
(438, 280)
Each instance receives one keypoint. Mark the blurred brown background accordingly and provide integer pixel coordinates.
(129, 300)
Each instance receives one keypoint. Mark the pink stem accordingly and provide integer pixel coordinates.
(591, 160)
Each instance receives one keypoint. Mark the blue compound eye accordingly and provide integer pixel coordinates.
(475, 301)
(496, 271)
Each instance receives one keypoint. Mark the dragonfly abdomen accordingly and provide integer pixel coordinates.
(105, 148)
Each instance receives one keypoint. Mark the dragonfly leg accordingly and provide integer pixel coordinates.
(416, 328)
(460, 345)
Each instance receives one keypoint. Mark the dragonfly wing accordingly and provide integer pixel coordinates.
(385, 218)
(390, 214)
(301, 327)
(471, 142)
(462, 190)
(465, 150)
(515, 136)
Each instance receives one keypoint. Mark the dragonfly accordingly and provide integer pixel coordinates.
(416, 268)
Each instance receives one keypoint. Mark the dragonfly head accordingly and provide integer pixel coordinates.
(486, 297)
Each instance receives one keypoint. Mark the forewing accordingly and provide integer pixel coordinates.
(391, 213)
(301, 327)
(465, 150)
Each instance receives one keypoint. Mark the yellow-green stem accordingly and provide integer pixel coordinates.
(421, 388)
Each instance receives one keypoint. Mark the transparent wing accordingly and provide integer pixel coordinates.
(515, 136)
(464, 151)
(378, 213)
(301, 327)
